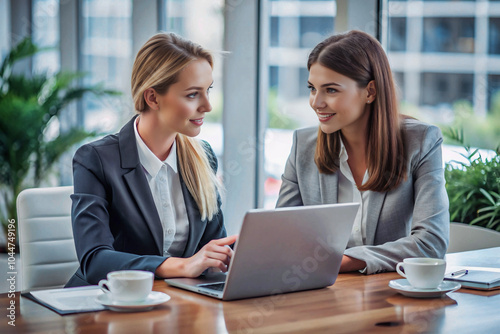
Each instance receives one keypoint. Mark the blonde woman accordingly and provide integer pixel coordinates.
(147, 197)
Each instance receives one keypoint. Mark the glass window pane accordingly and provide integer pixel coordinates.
(46, 34)
(445, 88)
(397, 31)
(494, 36)
(295, 27)
(4, 28)
(448, 74)
(202, 22)
(494, 92)
(445, 34)
(106, 57)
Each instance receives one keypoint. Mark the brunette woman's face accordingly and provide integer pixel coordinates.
(183, 107)
(337, 100)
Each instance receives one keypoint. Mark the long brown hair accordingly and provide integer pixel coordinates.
(158, 65)
(360, 57)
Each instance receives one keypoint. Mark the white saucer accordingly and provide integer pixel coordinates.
(404, 288)
(154, 298)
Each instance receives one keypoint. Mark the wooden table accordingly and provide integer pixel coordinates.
(355, 303)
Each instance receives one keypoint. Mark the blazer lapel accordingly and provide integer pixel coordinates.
(374, 207)
(140, 191)
(137, 183)
(328, 186)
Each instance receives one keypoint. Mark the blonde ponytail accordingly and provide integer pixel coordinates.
(198, 175)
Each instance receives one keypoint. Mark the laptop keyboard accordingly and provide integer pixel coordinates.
(214, 286)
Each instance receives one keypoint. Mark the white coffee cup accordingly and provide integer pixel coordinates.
(128, 285)
(422, 272)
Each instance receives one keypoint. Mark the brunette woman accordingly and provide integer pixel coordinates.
(365, 151)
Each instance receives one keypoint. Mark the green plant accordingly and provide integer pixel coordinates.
(28, 108)
(474, 187)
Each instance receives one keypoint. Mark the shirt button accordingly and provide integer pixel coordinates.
(170, 231)
(357, 229)
(165, 204)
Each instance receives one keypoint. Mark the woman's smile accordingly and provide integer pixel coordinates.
(198, 121)
(324, 117)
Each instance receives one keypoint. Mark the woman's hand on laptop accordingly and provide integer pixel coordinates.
(215, 254)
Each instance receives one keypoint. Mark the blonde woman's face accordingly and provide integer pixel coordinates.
(337, 100)
(183, 107)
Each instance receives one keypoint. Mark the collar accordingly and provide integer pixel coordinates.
(343, 152)
(149, 160)
(344, 165)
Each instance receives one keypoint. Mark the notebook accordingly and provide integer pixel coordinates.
(68, 300)
(477, 279)
(280, 251)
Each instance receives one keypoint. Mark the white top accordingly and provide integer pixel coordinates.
(347, 193)
(165, 185)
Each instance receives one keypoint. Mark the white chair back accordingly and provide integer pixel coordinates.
(46, 245)
(464, 237)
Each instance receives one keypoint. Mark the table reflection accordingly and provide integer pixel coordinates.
(135, 322)
(420, 314)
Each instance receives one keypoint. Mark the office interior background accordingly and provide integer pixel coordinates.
(445, 56)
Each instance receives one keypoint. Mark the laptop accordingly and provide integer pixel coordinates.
(280, 251)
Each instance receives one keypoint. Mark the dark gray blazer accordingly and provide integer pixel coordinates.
(115, 222)
(409, 221)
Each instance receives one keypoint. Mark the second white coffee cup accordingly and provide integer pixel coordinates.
(421, 272)
(128, 285)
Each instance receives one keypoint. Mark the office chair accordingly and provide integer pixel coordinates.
(464, 237)
(46, 246)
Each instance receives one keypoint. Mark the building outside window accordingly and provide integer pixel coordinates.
(494, 36)
(444, 34)
(106, 57)
(446, 63)
(295, 27)
(45, 30)
(4, 28)
(397, 27)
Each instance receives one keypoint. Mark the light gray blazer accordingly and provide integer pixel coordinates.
(409, 221)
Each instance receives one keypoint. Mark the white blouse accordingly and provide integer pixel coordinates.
(347, 193)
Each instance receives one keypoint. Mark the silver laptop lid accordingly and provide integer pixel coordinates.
(282, 250)
(289, 249)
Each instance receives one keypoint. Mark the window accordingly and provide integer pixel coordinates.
(295, 27)
(4, 28)
(437, 88)
(449, 73)
(494, 91)
(107, 58)
(397, 30)
(448, 35)
(494, 36)
(399, 79)
(46, 34)
(313, 29)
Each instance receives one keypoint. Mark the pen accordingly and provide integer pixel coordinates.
(459, 273)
